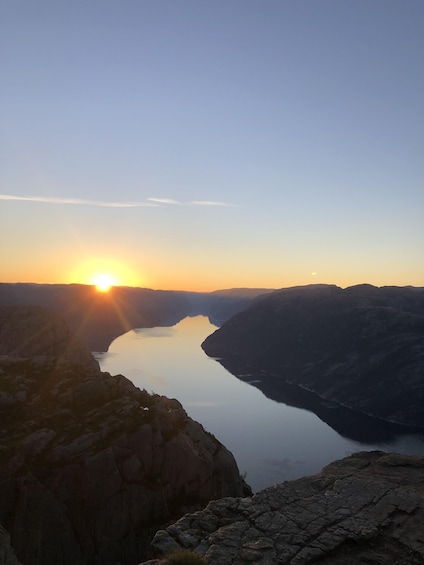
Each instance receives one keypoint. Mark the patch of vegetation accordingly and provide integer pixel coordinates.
(185, 557)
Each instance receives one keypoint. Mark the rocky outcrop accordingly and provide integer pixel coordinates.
(91, 466)
(32, 331)
(361, 347)
(367, 508)
(7, 555)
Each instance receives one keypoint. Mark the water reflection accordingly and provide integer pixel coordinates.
(272, 441)
(348, 423)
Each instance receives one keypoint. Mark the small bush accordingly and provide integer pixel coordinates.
(185, 557)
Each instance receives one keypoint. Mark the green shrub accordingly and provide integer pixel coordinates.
(185, 557)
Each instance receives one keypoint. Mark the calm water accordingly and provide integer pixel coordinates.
(271, 441)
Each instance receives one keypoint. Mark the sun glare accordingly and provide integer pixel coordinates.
(103, 282)
(104, 273)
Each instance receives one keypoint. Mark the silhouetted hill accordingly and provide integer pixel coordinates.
(33, 331)
(360, 348)
(98, 318)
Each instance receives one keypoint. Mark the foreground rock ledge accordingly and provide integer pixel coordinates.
(91, 466)
(367, 508)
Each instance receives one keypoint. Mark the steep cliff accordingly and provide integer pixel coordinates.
(361, 347)
(90, 465)
(367, 508)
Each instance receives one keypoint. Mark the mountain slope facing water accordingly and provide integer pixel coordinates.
(361, 347)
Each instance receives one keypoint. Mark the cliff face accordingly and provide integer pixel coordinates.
(361, 347)
(367, 508)
(90, 465)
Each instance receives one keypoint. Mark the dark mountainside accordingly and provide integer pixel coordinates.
(360, 348)
(364, 509)
(91, 466)
(33, 331)
(98, 318)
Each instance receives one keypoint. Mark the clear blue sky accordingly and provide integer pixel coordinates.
(212, 144)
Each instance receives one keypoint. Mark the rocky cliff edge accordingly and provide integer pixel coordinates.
(91, 466)
(367, 508)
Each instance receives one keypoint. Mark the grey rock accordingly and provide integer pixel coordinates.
(367, 508)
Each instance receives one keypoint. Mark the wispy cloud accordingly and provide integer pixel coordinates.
(164, 200)
(211, 203)
(191, 202)
(78, 201)
(151, 202)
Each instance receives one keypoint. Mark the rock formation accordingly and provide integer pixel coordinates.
(91, 466)
(7, 555)
(361, 347)
(367, 508)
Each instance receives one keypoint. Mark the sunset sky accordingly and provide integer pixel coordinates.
(208, 144)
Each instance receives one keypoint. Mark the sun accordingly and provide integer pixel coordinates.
(104, 282)
(104, 273)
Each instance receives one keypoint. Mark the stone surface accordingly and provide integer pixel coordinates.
(91, 466)
(360, 347)
(367, 508)
(7, 555)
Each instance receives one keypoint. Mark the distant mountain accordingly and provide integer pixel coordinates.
(243, 292)
(361, 348)
(98, 318)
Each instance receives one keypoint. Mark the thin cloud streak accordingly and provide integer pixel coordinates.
(164, 201)
(191, 203)
(211, 203)
(77, 201)
(151, 202)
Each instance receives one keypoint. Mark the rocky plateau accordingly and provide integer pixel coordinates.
(367, 509)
